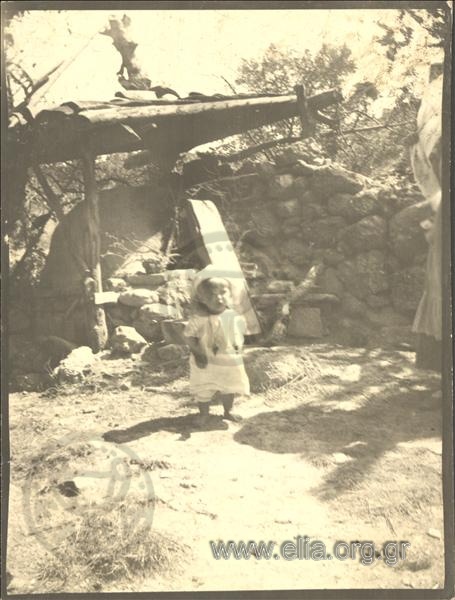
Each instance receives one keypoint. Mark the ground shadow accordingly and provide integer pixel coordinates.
(360, 421)
(184, 425)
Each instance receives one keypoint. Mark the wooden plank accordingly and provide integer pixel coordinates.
(215, 247)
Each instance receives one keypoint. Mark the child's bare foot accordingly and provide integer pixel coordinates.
(203, 417)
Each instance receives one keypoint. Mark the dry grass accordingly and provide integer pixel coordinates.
(106, 547)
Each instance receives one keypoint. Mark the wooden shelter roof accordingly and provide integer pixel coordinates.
(138, 121)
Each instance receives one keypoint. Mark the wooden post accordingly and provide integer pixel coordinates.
(95, 317)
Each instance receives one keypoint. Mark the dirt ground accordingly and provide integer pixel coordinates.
(354, 456)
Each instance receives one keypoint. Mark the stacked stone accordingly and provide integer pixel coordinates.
(149, 307)
(290, 214)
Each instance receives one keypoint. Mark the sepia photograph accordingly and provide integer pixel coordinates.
(226, 293)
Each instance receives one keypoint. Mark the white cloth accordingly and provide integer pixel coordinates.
(426, 165)
(221, 338)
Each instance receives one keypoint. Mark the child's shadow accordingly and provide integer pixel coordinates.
(184, 425)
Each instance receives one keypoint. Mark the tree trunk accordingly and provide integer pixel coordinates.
(95, 317)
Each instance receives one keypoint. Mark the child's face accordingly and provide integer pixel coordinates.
(215, 294)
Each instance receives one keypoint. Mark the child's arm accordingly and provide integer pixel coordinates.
(197, 351)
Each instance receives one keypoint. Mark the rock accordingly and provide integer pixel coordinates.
(333, 179)
(74, 367)
(138, 297)
(119, 314)
(288, 208)
(329, 283)
(305, 322)
(309, 212)
(377, 300)
(30, 382)
(131, 267)
(302, 168)
(323, 232)
(54, 349)
(281, 187)
(264, 221)
(265, 301)
(353, 307)
(406, 237)
(287, 158)
(353, 207)
(367, 234)
(150, 354)
(126, 340)
(266, 170)
(365, 274)
(116, 284)
(148, 327)
(302, 191)
(173, 331)
(248, 166)
(252, 271)
(296, 251)
(171, 352)
(147, 280)
(280, 287)
(407, 288)
(159, 311)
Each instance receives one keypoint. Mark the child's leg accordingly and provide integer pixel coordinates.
(228, 403)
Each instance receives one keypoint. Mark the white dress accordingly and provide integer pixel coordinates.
(221, 337)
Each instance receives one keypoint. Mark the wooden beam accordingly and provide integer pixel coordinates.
(95, 318)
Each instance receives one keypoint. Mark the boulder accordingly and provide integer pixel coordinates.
(406, 236)
(138, 297)
(296, 251)
(305, 322)
(332, 179)
(54, 349)
(407, 288)
(302, 190)
(288, 208)
(323, 232)
(110, 262)
(365, 274)
(353, 207)
(75, 366)
(126, 340)
(367, 234)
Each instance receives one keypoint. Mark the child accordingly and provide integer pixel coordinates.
(215, 337)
